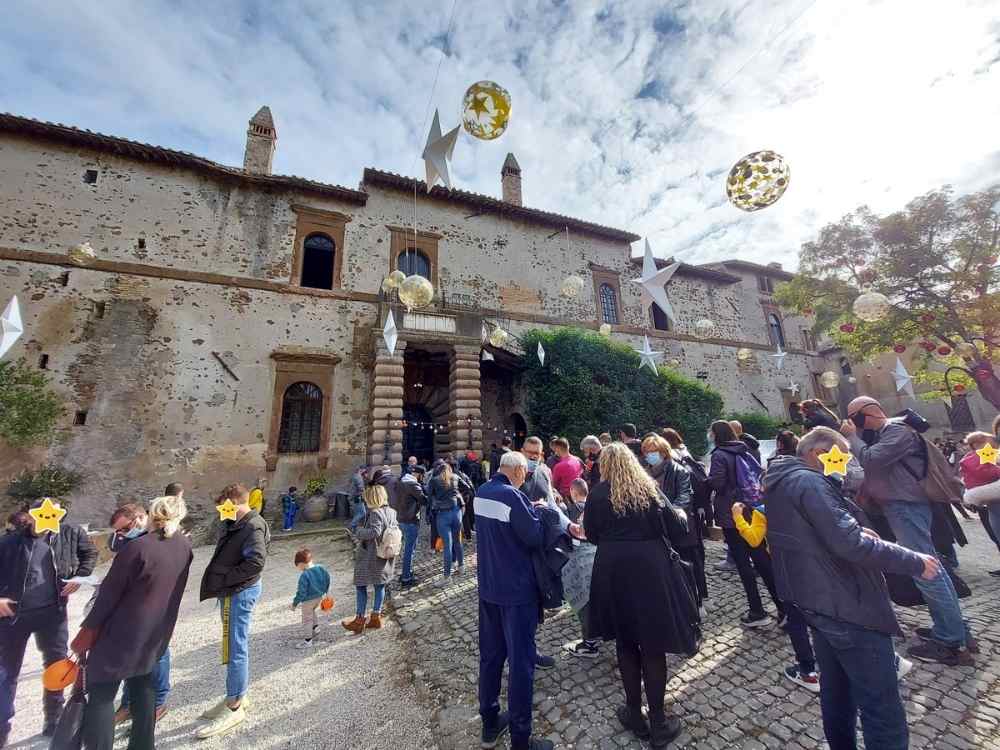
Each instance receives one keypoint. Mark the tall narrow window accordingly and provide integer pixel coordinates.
(774, 327)
(301, 419)
(318, 253)
(660, 320)
(413, 261)
(609, 304)
(765, 284)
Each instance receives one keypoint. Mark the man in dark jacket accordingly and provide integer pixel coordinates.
(509, 532)
(831, 568)
(233, 577)
(496, 454)
(408, 500)
(752, 443)
(34, 569)
(627, 434)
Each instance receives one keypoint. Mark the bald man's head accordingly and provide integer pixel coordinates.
(866, 413)
(860, 402)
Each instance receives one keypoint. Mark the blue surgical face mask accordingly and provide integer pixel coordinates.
(654, 458)
(711, 441)
(133, 533)
(532, 465)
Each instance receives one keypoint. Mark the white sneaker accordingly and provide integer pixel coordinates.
(225, 723)
(220, 708)
(903, 667)
(303, 645)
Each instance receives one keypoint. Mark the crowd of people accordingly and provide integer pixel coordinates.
(617, 531)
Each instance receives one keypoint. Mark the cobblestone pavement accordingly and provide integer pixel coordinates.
(731, 695)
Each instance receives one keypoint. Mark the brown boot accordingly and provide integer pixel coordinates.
(374, 621)
(357, 625)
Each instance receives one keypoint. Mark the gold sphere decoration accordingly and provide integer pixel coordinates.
(571, 287)
(705, 328)
(82, 254)
(744, 355)
(394, 280)
(486, 110)
(416, 291)
(829, 379)
(872, 306)
(498, 337)
(605, 329)
(757, 180)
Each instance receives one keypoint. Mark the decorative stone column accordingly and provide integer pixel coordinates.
(465, 425)
(387, 406)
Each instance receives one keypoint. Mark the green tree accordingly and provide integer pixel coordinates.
(936, 262)
(589, 384)
(29, 409)
(49, 480)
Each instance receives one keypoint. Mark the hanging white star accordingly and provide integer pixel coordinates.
(438, 152)
(487, 357)
(793, 387)
(389, 334)
(541, 353)
(647, 355)
(904, 381)
(779, 358)
(654, 282)
(11, 326)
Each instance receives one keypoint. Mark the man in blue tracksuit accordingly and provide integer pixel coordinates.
(507, 530)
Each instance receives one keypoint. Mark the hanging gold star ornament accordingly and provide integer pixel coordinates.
(227, 511)
(438, 152)
(757, 180)
(47, 516)
(835, 461)
(988, 454)
(486, 110)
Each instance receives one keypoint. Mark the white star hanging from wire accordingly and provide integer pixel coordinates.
(11, 326)
(541, 353)
(793, 387)
(437, 152)
(647, 355)
(389, 334)
(904, 381)
(487, 357)
(779, 358)
(654, 282)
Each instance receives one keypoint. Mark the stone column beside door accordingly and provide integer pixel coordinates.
(387, 406)
(465, 424)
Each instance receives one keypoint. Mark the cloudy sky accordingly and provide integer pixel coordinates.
(627, 112)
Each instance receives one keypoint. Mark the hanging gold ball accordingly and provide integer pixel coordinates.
(82, 254)
(674, 363)
(571, 287)
(498, 337)
(393, 281)
(605, 329)
(829, 379)
(967, 350)
(485, 110)
(416, 291)
(872, 306)
(757, 180)
(705, 328)
(744, 355)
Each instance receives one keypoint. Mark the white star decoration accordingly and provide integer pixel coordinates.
(793, 387)
(648, 356)
(10, 326)
(437, 152)
(541, 353)
(389, 334)
(779, 358)
(487, 357)
(654, 283)
(904, 381)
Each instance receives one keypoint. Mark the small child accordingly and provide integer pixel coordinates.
(577, 573)
(289, 506)
(982, 488)
(314, 583)
(578, 492)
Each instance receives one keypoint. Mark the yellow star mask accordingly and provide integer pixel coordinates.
(835, 461)
(988, 454)
(47, 516)
(227, 511)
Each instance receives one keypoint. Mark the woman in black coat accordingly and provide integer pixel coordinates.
(130, 626)
(630, 589)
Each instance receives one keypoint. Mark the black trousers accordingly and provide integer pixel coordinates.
(99, 718)
(468, 521)
(51, 633)
(747, 558)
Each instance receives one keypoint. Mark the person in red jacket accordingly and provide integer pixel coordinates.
(566, 469)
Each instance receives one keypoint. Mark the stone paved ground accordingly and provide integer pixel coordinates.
(730, 695)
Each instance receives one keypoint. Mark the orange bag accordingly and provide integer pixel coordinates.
(326, 603)
(439, 545)
(60, 674)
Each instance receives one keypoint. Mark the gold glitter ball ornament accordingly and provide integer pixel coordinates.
(705, 328)
(416, 291)
(757, 180)
(605, 329)
(394, 280)
(498, 337)
(82, 254)
(829, 379)
(485, 110)
(871, 306)
(571, 287)
(744, 355)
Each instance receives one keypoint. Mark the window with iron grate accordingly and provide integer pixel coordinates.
(609, 304)
(301, 419)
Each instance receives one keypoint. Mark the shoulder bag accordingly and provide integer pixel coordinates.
(683, 603)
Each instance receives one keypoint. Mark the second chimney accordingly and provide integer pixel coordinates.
(510, 180)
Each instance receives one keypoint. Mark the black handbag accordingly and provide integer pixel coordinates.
(682, 591)
(69, 728)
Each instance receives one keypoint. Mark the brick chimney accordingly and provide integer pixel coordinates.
(510, 180)
(262, 140)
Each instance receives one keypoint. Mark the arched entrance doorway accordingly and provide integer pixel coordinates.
(418, 435)
(519, 430)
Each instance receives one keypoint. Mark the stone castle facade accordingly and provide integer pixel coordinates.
(230, 327)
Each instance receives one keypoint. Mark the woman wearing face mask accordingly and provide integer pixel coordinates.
(590, 448)
(674, 481)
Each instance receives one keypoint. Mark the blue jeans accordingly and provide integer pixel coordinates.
(362, 599)
(161, 681)
(911, 523)
(290, 517)
(858, 672)
(236, 639)
(410, 533)
(449, 528)
(359, 514)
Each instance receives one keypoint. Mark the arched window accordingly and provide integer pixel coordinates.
(301, 419)
(318, 252)
(774, 325)
(660, 320)
(412, 261)
(609, 304)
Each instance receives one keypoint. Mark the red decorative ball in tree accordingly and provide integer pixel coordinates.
(944, 351)
(847, 328)
(926, 318)
(899, 348)
(807, 311)
(928, 345)
(958, 388)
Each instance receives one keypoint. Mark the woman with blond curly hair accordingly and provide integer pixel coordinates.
(631, 590)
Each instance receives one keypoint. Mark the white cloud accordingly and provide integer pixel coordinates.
(871, 102)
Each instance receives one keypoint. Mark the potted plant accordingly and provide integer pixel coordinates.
(315, 508)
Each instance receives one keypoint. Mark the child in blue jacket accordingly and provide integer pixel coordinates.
(314, 583)
(289, 507)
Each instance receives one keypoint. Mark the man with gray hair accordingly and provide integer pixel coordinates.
(830, 567)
